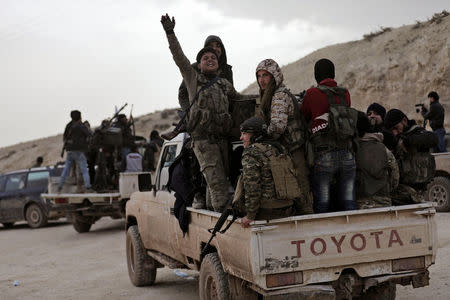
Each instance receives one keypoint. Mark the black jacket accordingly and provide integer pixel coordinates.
(419, 138)
(76, 137)
(435, 115)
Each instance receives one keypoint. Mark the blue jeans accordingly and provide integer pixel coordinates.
(331, 167)
(440, 147)
(79, 158)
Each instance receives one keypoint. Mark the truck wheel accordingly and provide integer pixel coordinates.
(141, 267)
(384, 291)
(35, 216)
(439, 192)
(81, 227)
(8, 225)
(213, 282)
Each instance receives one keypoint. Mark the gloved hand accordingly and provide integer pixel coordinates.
(168, 24)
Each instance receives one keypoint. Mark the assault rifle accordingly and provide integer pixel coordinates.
(179, 127)
(223, 217)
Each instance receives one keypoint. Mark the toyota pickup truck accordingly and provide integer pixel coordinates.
(84, 209)
(338, 255)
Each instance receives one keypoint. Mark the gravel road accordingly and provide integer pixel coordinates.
(56, 262)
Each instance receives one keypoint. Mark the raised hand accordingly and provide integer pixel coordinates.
(167, 23)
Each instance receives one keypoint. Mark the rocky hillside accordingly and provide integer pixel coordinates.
(395, 67)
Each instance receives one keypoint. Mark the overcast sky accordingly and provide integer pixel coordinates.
(92, 55)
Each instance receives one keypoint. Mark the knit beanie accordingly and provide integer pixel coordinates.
(393, 117)
(324, 68)
(378, 108)
(203, 51)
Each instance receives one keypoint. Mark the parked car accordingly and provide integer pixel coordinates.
(20, 196)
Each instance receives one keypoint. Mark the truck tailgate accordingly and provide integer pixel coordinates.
(367, 240)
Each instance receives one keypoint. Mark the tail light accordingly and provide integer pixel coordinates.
(60, 200)
(283, 279)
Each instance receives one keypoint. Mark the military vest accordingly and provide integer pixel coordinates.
(372, 175)
(416, 167)
(283, 173)
(342, 120)
(209, 114)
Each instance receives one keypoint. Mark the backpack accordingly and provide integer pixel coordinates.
(417, 168)
(342, 118)
(283, 173)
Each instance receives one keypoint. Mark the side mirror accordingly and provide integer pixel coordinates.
(145, 182)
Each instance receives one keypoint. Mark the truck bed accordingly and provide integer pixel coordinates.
(372, 242)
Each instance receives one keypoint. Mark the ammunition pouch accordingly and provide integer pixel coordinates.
(283, 173)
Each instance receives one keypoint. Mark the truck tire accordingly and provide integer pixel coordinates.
(35, 216)
(81, 227)
(213, 281)
(439, 192)
(8, 225)
(141, 267)
(384, 291)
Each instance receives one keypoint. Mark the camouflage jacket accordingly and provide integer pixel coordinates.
(209, 115)
(284, 125)
(259, 186)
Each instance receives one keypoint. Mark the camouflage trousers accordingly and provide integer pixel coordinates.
(303, 205)
(373, 201)
(405, 194)
(213, 160)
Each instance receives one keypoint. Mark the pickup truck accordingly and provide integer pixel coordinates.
(84, 209)
(438, 190)
(338, 255)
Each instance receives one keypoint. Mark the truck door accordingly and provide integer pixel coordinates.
(158, 210)
(12, 199)
(36, 185)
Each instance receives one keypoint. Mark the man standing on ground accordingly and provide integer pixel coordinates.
(436, 116)
(76, 144)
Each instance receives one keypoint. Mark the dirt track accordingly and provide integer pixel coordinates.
(55, 262)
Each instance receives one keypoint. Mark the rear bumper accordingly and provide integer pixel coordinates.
(114, 209)
(323, 292)
(416, 278)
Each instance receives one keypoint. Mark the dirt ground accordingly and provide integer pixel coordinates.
(56, 262)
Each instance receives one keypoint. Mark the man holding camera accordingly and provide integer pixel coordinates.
(436, 116)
